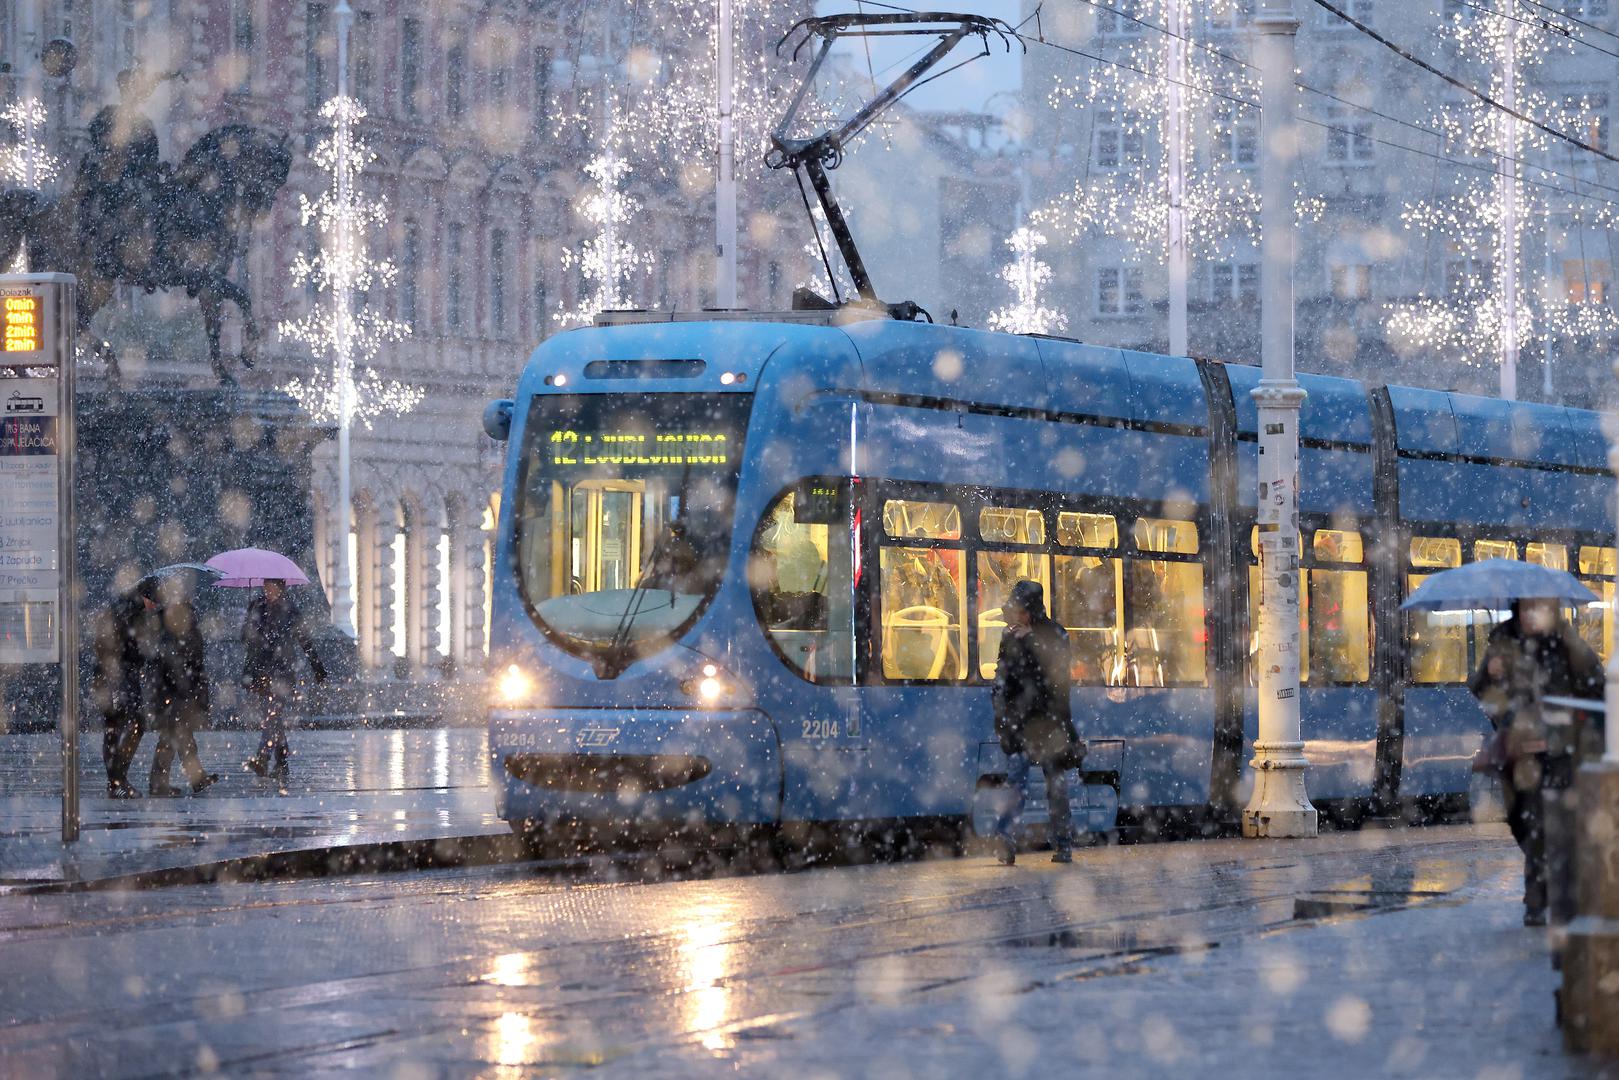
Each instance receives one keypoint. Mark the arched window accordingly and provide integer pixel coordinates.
(491, 517)
(399, 602)
(446, 587)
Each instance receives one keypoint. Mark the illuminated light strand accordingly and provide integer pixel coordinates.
(25, 162)
(1026, 275)
(662, 90)
(1129, 200)
(1469, 323)
(342, 269)
(607, 261)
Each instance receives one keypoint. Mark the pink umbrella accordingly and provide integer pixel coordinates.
(246, 567)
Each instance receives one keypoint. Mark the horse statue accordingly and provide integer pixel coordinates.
(132, 219)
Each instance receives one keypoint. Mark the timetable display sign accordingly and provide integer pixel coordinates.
(30, 521)
(24, 319)
(30, 317)
(39, 623)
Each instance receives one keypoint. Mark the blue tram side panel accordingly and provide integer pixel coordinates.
(716, 722)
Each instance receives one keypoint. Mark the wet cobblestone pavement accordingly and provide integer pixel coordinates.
(1372, 953)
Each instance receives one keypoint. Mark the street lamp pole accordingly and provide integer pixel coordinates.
(1507, 237)
(1279, 806)
(1175, 142)
(343, 315)
(725, 176)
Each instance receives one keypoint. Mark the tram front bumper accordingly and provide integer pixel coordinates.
(641, 769)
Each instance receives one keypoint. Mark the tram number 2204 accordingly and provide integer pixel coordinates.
(821, 729)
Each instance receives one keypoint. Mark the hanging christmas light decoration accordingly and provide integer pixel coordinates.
(1492, 299)
(1158, 78)
(608, 263)
(340, 327)
(25, 162)
(1027, 275)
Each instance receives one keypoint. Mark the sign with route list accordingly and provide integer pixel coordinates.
(30, 523)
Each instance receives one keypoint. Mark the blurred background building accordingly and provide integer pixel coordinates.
(485, 115)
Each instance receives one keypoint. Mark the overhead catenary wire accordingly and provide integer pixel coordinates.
(1347, 103)
(1540, 22)
(1576, 20)
(1461, 85)
(1461, 163)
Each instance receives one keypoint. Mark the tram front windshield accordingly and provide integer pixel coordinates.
(625, 513)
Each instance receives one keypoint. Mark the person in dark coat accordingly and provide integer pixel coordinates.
(177, 698)
(1033, 717)
(1533, 655)
(115, 684)
(274, 635)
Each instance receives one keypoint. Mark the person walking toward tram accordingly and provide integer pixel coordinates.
(1533, 655)
(119, 634)
(274, 635)
(1033, 717)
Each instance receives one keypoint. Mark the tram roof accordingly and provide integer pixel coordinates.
(1010, 370)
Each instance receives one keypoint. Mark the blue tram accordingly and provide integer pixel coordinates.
(749, 572)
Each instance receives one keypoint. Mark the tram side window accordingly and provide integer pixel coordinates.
(998, 571)
(799, 570)
(1595, 621)
(1552, 556)
(1483, 623)
(1437, 640)
(924, 593)
(1087, 598)
(1165, 638)
(1340, 613)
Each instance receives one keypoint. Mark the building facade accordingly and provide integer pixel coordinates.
(469, 107)
(1383, 154)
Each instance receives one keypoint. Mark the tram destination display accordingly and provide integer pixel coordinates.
(690, 434)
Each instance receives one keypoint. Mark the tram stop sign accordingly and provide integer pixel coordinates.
(38, 617)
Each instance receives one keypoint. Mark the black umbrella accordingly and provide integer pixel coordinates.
(175, 582)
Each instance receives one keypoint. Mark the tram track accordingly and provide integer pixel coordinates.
(833, 939)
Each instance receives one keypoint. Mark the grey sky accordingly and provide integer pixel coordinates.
(968, 88)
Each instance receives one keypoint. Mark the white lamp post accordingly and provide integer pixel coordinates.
(1279, 806)
(725, 177)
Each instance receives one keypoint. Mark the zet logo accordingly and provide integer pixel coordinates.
(597, 736)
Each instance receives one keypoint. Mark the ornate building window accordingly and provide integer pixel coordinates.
(497, 282)
(455, 76)
(454, 246)
(410, 65)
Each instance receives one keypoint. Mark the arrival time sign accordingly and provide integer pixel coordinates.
(38, 621)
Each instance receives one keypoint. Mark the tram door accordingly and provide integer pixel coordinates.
(604, 542)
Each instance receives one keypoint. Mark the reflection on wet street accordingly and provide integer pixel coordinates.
(514, 971)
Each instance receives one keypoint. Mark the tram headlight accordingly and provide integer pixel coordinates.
(515, 687)
(708, 687)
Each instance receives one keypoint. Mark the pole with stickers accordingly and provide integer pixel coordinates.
(38, 573)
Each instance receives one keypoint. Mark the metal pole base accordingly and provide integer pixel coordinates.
(1590, 994)
(1279, 808)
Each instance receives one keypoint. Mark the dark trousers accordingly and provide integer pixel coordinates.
(1526, 818)
(120, 738)
(175, 738)
(1060, 817)
(273, 731)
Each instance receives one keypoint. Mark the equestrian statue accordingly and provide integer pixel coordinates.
(131, 218)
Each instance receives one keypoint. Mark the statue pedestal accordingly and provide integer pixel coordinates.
(172, 474)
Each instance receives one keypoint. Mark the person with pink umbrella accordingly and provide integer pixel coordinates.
(273, 635)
